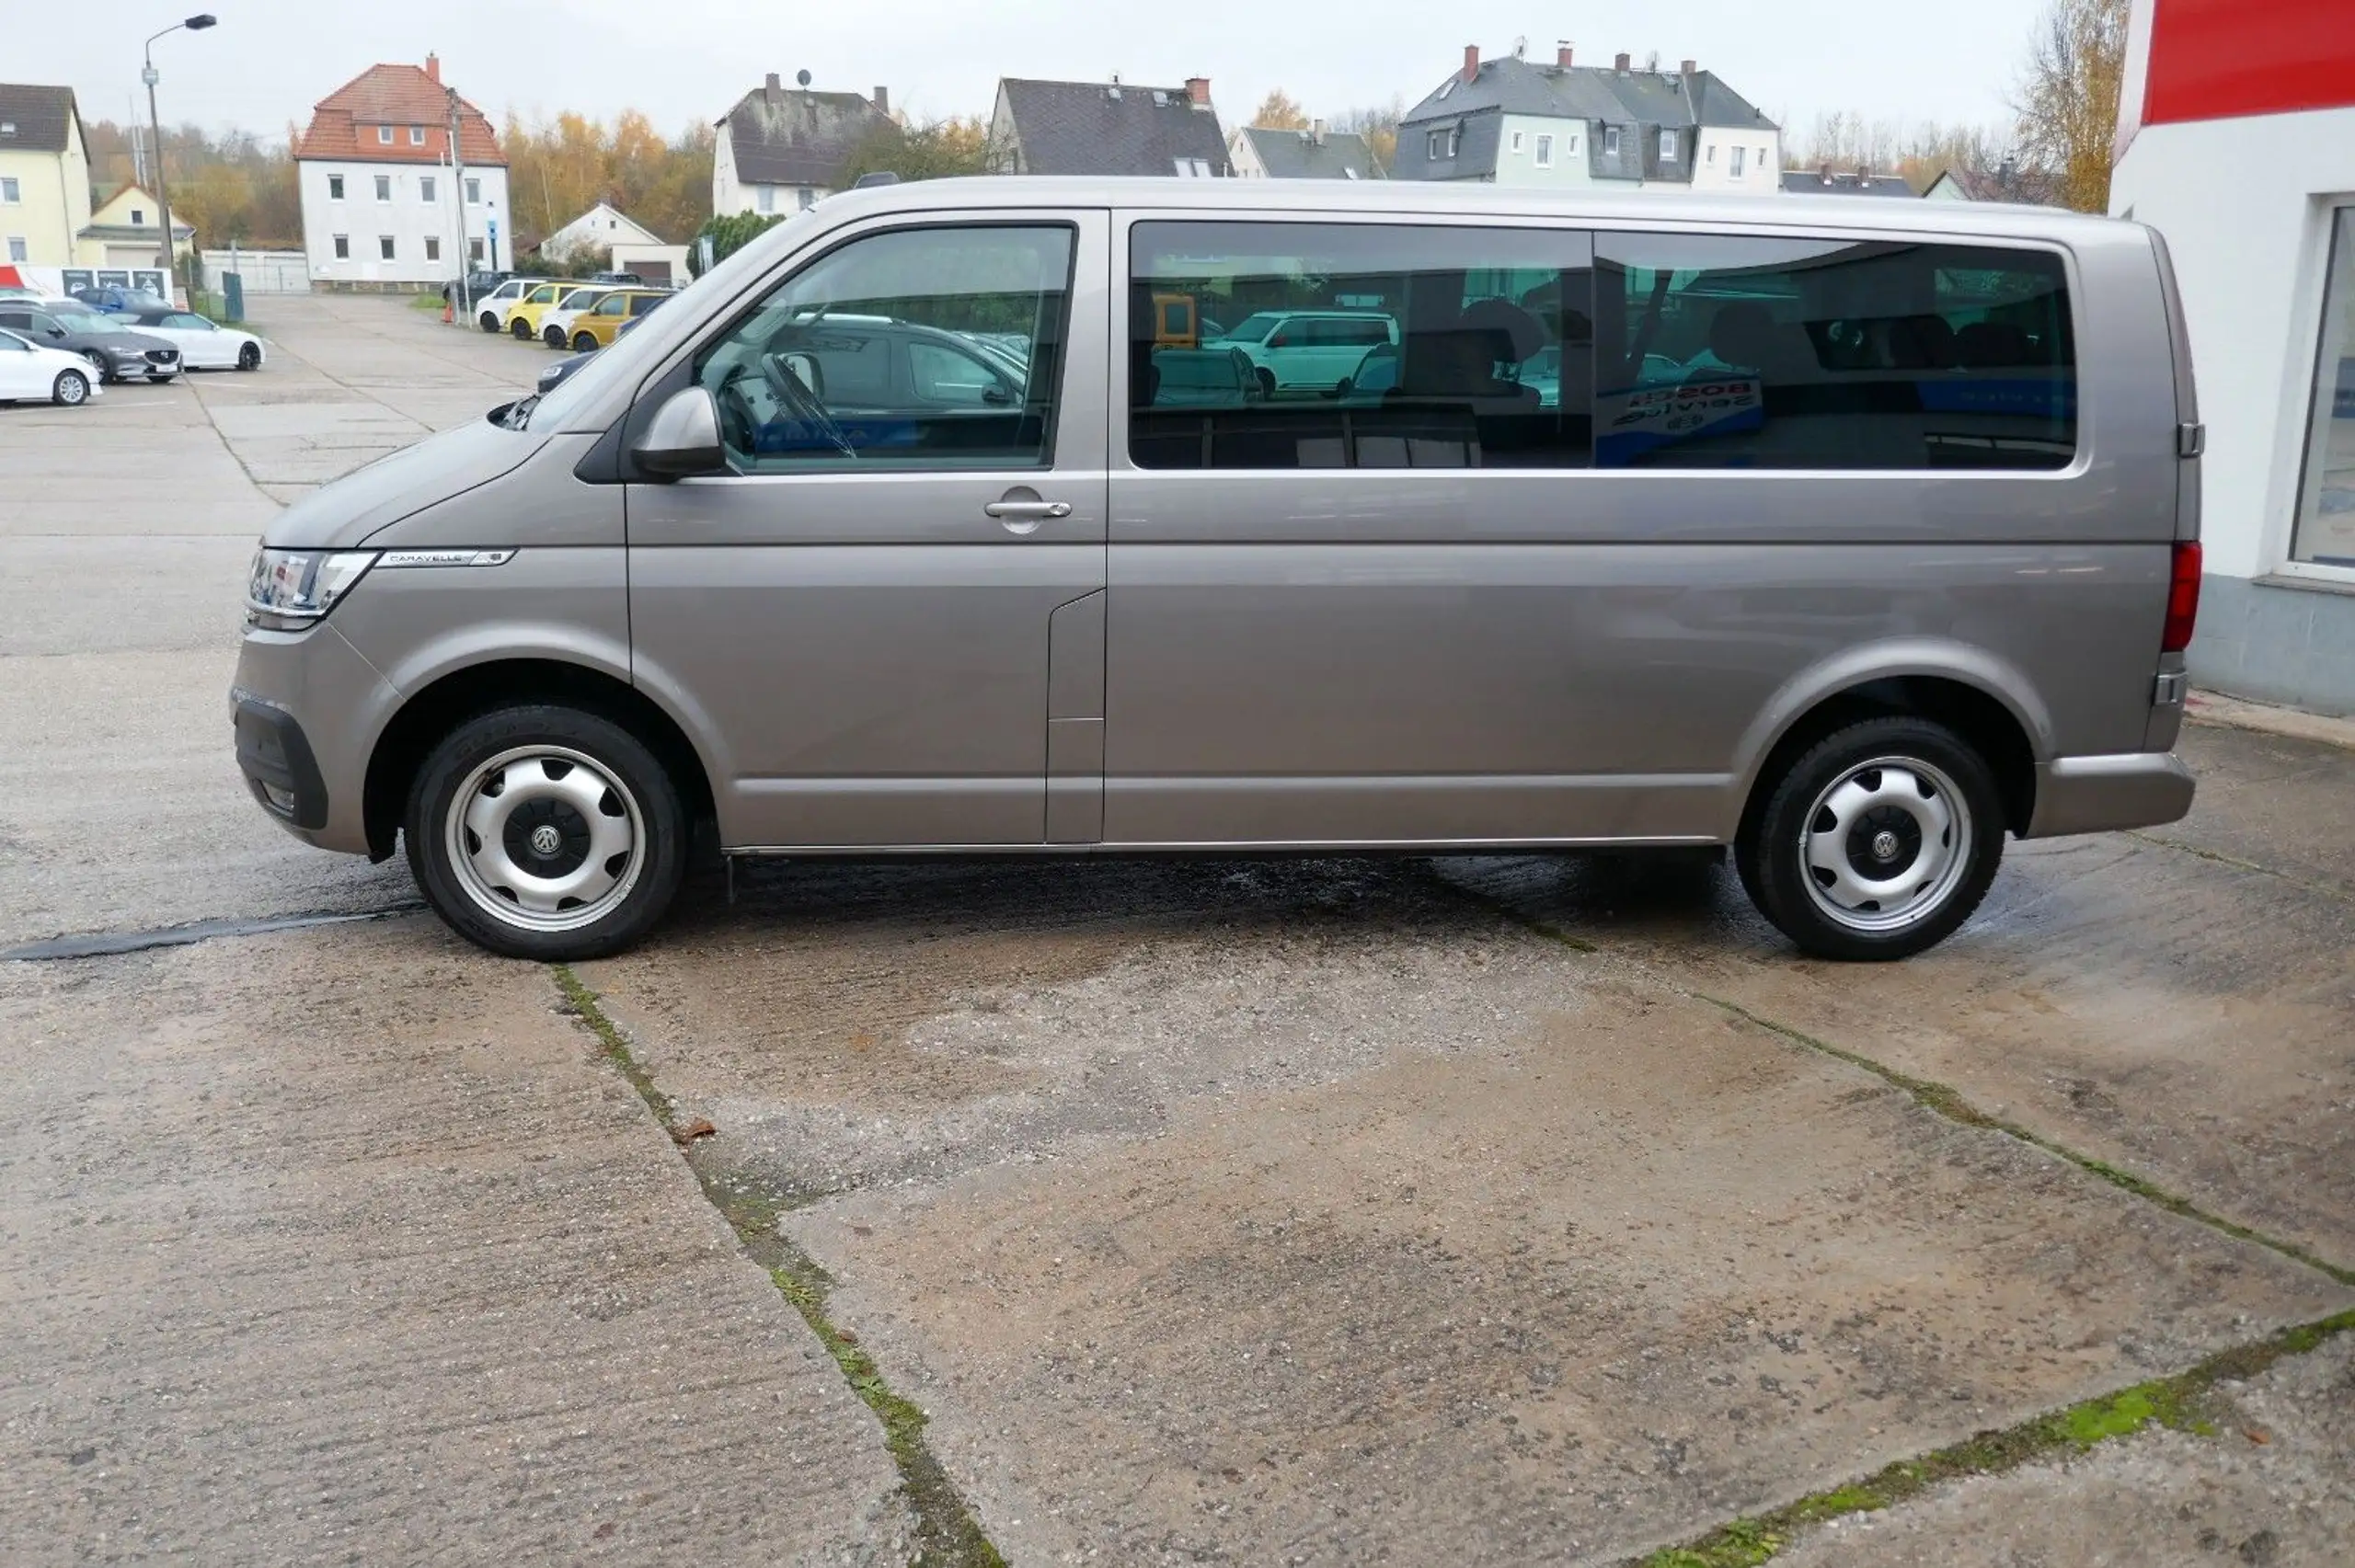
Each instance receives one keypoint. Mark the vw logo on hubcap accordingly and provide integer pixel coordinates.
(546, 841)
(1884, 844)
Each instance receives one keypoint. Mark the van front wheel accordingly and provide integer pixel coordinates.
(1878, 842)
(545, 832)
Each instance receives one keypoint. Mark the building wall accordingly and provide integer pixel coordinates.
(1572, 155)
(2246, 207)
(52, 203)
(731, 194)
(409, 218)
(1713, 169)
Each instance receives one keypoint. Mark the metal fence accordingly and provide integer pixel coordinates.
(264, 271)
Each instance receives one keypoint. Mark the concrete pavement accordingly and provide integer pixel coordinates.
(1321, 1211)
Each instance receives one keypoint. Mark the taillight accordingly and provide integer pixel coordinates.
(2183, 598)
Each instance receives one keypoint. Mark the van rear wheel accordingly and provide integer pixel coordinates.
(545, 832)
(1877, 842)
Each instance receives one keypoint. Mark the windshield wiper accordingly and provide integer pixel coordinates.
(519, 413)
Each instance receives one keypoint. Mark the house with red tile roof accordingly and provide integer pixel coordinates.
(383, 207)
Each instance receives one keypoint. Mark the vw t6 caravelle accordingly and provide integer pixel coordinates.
(1855, 536)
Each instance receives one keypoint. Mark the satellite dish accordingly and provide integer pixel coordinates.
(802, 77)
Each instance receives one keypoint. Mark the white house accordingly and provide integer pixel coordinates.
(382, 208)
(780, 150)
(127, 230)
(2237, 143)
(603, 230)
(1515, 121)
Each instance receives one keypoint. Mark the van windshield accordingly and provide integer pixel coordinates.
(1254, 328)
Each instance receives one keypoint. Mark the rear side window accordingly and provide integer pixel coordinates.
(1360, 346)
(1726, 351)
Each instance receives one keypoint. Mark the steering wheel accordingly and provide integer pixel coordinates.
(805, 405)
(735, 419)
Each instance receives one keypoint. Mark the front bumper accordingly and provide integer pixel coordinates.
(305, 711)
(275, 756)
(2098, 795)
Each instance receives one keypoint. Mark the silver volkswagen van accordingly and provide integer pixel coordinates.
(1853, 535)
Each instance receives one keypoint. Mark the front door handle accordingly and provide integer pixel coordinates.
(1031, 512)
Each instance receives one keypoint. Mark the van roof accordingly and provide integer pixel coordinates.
(1279, 198)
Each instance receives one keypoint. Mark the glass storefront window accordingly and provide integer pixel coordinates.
(2324, 534)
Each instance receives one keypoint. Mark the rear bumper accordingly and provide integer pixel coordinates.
(2095, 795)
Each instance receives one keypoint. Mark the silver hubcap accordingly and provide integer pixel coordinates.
(71, 388)
(545, 837)
(1886, 844)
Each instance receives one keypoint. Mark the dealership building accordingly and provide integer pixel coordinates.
(2236, 142)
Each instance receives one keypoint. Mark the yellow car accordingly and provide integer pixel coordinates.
(597, 326)
(523, 320)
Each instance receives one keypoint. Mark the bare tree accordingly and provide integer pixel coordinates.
(1379, 126)
(2067, 99)
(1279, 111)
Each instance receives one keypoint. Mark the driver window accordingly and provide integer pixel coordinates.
(934, 348)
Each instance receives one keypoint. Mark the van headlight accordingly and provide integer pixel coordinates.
(291, 588)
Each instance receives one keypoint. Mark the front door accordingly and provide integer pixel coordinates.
(865, 610)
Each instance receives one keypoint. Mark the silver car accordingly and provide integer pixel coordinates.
(1853, 540)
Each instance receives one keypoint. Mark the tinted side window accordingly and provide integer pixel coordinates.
(823, 370)
(1439, 347)
(1719, 351)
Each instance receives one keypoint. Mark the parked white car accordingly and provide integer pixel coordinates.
(1298, 351)
(29, 374)
(203, 344)
(555, 326)
(490, 311)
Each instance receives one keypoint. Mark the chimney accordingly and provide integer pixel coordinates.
(1198, 89)
(1317, 132)
(1562, 55)
(1470, 61)
(1619, 63)
(773, 89)
(883, 102)
(1688, 67)
(433, 69)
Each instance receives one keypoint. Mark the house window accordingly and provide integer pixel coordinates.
(1733, 161)
(1573, 148)
(1610, 141)
(2323, 532)
(1667, 146)
(416, 135)
(1544, 149)
(1762, 158)
(18, 249)
(425, 189)
(1192, 168)
(432, 248)
(474, 248)
(1442, 144)
(1516, 140)
(384, 135)
(384, 245)
(384, 188)
(1710, 154)
(474, 193)
(768, 198)
(343, 248)
(9, 192)
(138, 216)
(806, 197)
(335, 188)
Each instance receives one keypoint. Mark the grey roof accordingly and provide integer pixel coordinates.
(2008, 182)
(1817, 182)
(1591, 92)
(41, 116)
(1302, 154)
(793, 136)
(1100, 129)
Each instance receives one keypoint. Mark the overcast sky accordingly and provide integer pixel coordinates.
(683, 60)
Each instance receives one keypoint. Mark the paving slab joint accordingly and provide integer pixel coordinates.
(2188, 1401)
(947, 1535)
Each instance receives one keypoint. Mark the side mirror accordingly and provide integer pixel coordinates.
(683, 437)
(57, 331)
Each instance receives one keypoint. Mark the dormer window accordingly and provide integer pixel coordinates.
(416, 135)
(384, 135)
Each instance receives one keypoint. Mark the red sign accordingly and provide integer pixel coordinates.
(2221, 59)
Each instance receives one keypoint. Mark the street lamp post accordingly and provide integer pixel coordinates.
(195, 24)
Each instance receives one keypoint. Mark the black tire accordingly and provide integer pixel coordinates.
(521, 330)
(552, 337)
(1908, 775)
(1267, 383)
(489, 322)
(582, 343)
(70, 390)
(639, 792)
(248, 357)
(100, 364)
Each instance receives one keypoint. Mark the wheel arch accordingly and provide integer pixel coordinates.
(1979, 695)
(452, 698)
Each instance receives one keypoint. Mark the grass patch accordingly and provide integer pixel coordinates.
(947, 1535)
(2181, 1403)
